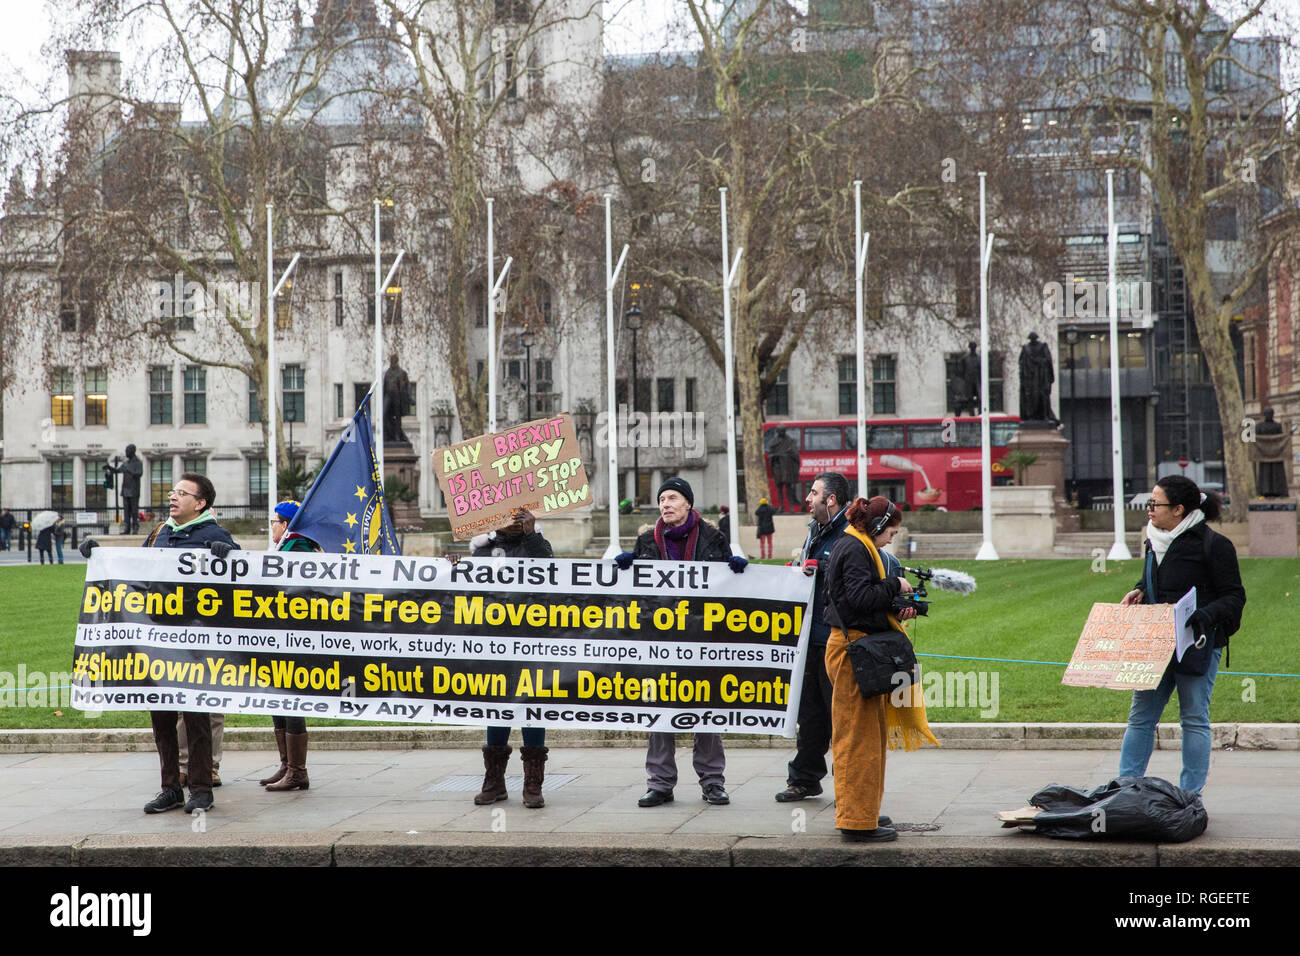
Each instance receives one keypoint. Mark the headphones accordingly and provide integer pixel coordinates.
(881, 523)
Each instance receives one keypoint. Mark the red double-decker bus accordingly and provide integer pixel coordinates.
(921, 461)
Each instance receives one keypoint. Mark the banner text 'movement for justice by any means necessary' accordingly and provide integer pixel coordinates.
(558, 643)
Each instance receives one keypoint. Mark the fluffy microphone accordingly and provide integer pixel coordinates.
(946, 579)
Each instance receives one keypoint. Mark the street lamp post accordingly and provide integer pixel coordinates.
(633, 318)
(529, 340)
(1072, 338)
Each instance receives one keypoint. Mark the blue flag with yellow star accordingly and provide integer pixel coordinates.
(344, 511)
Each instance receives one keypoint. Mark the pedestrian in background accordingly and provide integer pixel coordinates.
(766, 527)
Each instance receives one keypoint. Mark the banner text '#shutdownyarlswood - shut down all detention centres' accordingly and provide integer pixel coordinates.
(489, 641)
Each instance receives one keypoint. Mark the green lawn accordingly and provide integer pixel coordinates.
(1023, 610)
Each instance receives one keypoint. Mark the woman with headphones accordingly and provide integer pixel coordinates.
(860, 593)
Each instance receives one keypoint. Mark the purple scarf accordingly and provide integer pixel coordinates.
(678, 544)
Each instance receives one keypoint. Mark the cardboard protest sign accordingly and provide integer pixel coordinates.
(1123, 648)
(536, 465)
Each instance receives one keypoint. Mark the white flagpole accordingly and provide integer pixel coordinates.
(1119, 550)
(272, 373)
(728, 356)
(491, 322)
(860, 242)
(376, 394)
(611, 279)
(987, 552)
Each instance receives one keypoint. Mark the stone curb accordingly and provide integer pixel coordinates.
(328, 848)
(957, 736)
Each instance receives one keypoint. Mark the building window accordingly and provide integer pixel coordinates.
(60, 484)
(392, 299)
(195, 380)
(62, 395)
(96, 396)
(690, 395)
(76, 306)
(359, 392)
(778, 397)
(664, 394)
(338, 400)
(512, 11)
(96, 493)
(292, 377)
(512, 78)
(534, 88)
(848, 376)
(160, 481)
(175, 312)
(160, 395)
(338, 300)
(254, 406)
(642, 394)
(884, 399)
(197, 465)
(1221, 223)
(258, 484)
(478, 304)
(1220, 74)
(996, 403)
(1249, 387)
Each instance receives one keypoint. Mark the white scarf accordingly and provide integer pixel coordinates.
(1160, 540)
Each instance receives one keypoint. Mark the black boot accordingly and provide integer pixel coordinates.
(534, 772)
(494, 775)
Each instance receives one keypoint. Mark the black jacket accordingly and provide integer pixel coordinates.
(820, 543)
(195, 536)
(853, 584)
(765, 523)
(1217, 580)
(710, 545)
(520, 546)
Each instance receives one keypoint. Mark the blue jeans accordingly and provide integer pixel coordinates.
(1193, 714)
(500, 736)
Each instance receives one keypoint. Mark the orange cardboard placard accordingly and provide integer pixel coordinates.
(536, 465)
(1123, 648)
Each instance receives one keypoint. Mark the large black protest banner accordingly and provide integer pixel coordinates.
(518, 641)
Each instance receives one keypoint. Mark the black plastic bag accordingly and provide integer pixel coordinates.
(1128, 808)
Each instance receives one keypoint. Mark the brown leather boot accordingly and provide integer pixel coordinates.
(284, 759)
(295, 777)
(534, 759)
(494, 775)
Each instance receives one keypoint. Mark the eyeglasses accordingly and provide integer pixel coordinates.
(182, 491)
(279, 521)
(1153, 505)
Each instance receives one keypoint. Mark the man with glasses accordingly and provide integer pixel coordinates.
(191, 524)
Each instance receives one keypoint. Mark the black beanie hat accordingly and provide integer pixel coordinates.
(679, 485)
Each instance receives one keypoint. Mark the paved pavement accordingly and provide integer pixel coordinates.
(414, 806)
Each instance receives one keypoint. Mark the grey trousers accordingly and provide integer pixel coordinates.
(708, 759)
(218, 731)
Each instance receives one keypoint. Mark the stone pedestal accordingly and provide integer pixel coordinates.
(401, 463)
(1023, 520)
(1272, 528)
(1050, 447)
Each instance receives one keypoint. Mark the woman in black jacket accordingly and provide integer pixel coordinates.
(1183, 553)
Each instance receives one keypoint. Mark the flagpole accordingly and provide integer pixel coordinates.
(1119, 550)
(860, 242)
(611, 433)
(987, 552)
(728, 357)
(376, 394)
(272, 372)
(491, 325)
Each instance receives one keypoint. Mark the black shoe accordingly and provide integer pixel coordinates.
(715, 795)
(880, 834)
(799, 791)
(884, 821)
(654, 798)
(167, 799)
(199, 800)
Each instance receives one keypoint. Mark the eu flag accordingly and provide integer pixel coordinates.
(344, 511)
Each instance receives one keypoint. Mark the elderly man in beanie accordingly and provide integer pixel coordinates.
(682, 535)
